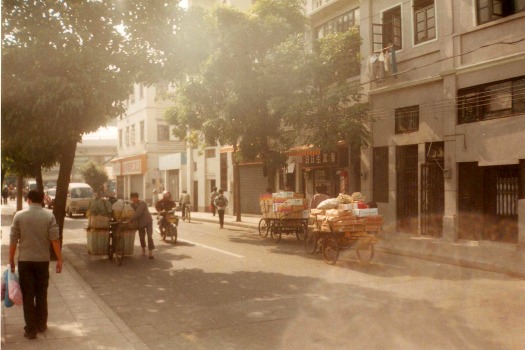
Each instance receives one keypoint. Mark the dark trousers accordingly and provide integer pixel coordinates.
(213, 209)
(221, 216)
(34, 280)
(148, 229)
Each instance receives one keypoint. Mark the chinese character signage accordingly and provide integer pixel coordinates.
(320, 160)
(132, 167)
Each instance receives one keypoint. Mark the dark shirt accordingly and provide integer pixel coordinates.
(165, 204)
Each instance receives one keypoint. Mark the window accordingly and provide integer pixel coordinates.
(380, 176)
(407, 119)
(127, 136)
(491, 10)
(388, 33)
(142, 131)
(120, 138)
(424, 21)
(163, 133)
(490, 101)
(338, 24)
(132, 135)
(210, 153)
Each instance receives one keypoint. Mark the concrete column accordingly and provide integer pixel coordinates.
(521, 224)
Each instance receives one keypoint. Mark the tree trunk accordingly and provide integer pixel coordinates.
(237, 186)
(19, 194)
(38, 178)
(67, 157)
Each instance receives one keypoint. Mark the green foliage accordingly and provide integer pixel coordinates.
(67, 68)
(225, 93)
(321, 101)
(94, 175)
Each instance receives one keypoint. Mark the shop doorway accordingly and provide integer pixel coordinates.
(407, 188)
(433, 190)
(488, 202)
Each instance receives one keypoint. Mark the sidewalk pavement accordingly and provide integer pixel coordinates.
(79, 319)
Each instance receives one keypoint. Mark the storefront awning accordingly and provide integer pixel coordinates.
(303, 151)
(226, 149)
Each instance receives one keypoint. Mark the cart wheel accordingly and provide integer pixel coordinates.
(263, 228)
(330, 249)
(119, 250)
(310, 242)
(366, 254)
(301, 233)
(275, 232)
(173, 235)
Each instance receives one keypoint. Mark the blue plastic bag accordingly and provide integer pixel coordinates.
(7, 302)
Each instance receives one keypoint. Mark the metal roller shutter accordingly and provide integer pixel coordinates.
(253, 184)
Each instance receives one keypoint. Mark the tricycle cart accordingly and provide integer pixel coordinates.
(287, 224)
(336, 233)
(283, 213)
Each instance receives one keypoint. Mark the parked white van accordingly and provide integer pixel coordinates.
(78, 197)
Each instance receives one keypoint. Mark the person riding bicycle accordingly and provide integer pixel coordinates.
(164, 205)
(184, 202)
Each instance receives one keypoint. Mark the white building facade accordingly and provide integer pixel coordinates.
(143, 137)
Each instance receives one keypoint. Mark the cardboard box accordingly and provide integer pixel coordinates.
(295, 201)
(348, 206)
(365, 212)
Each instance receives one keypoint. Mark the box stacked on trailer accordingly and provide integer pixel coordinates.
(345, 219)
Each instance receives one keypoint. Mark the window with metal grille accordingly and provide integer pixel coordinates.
(424, 21)
(338, 24)
(132, 135)
(494, 100)
(407, 119)
(380, 176)
(491, 10)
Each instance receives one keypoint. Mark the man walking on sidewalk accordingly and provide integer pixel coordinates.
(34, 229)
(221, 202)
(213, 195)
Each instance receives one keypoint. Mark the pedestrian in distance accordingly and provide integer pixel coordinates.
(5, 194)
(34, 231)
(184, 201)
(221, 202)
(213, 195)
(144, 223)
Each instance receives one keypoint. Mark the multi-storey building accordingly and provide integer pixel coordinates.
(447, 94)
(143, 136)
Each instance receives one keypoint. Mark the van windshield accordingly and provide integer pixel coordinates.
(82, 193)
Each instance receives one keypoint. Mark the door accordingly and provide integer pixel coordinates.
(432, 199)
(195, 197)
(407, 188)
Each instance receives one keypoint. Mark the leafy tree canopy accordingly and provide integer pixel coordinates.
(225, 95)
(67, 69)
(94, 175)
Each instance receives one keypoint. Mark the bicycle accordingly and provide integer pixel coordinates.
(187, 213)
(116, 244)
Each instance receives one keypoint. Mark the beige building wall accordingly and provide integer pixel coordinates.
(463, 54)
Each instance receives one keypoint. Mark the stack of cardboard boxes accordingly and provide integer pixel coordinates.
(347, 218)
(284, 205)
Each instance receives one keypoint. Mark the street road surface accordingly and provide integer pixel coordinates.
(228, 289)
